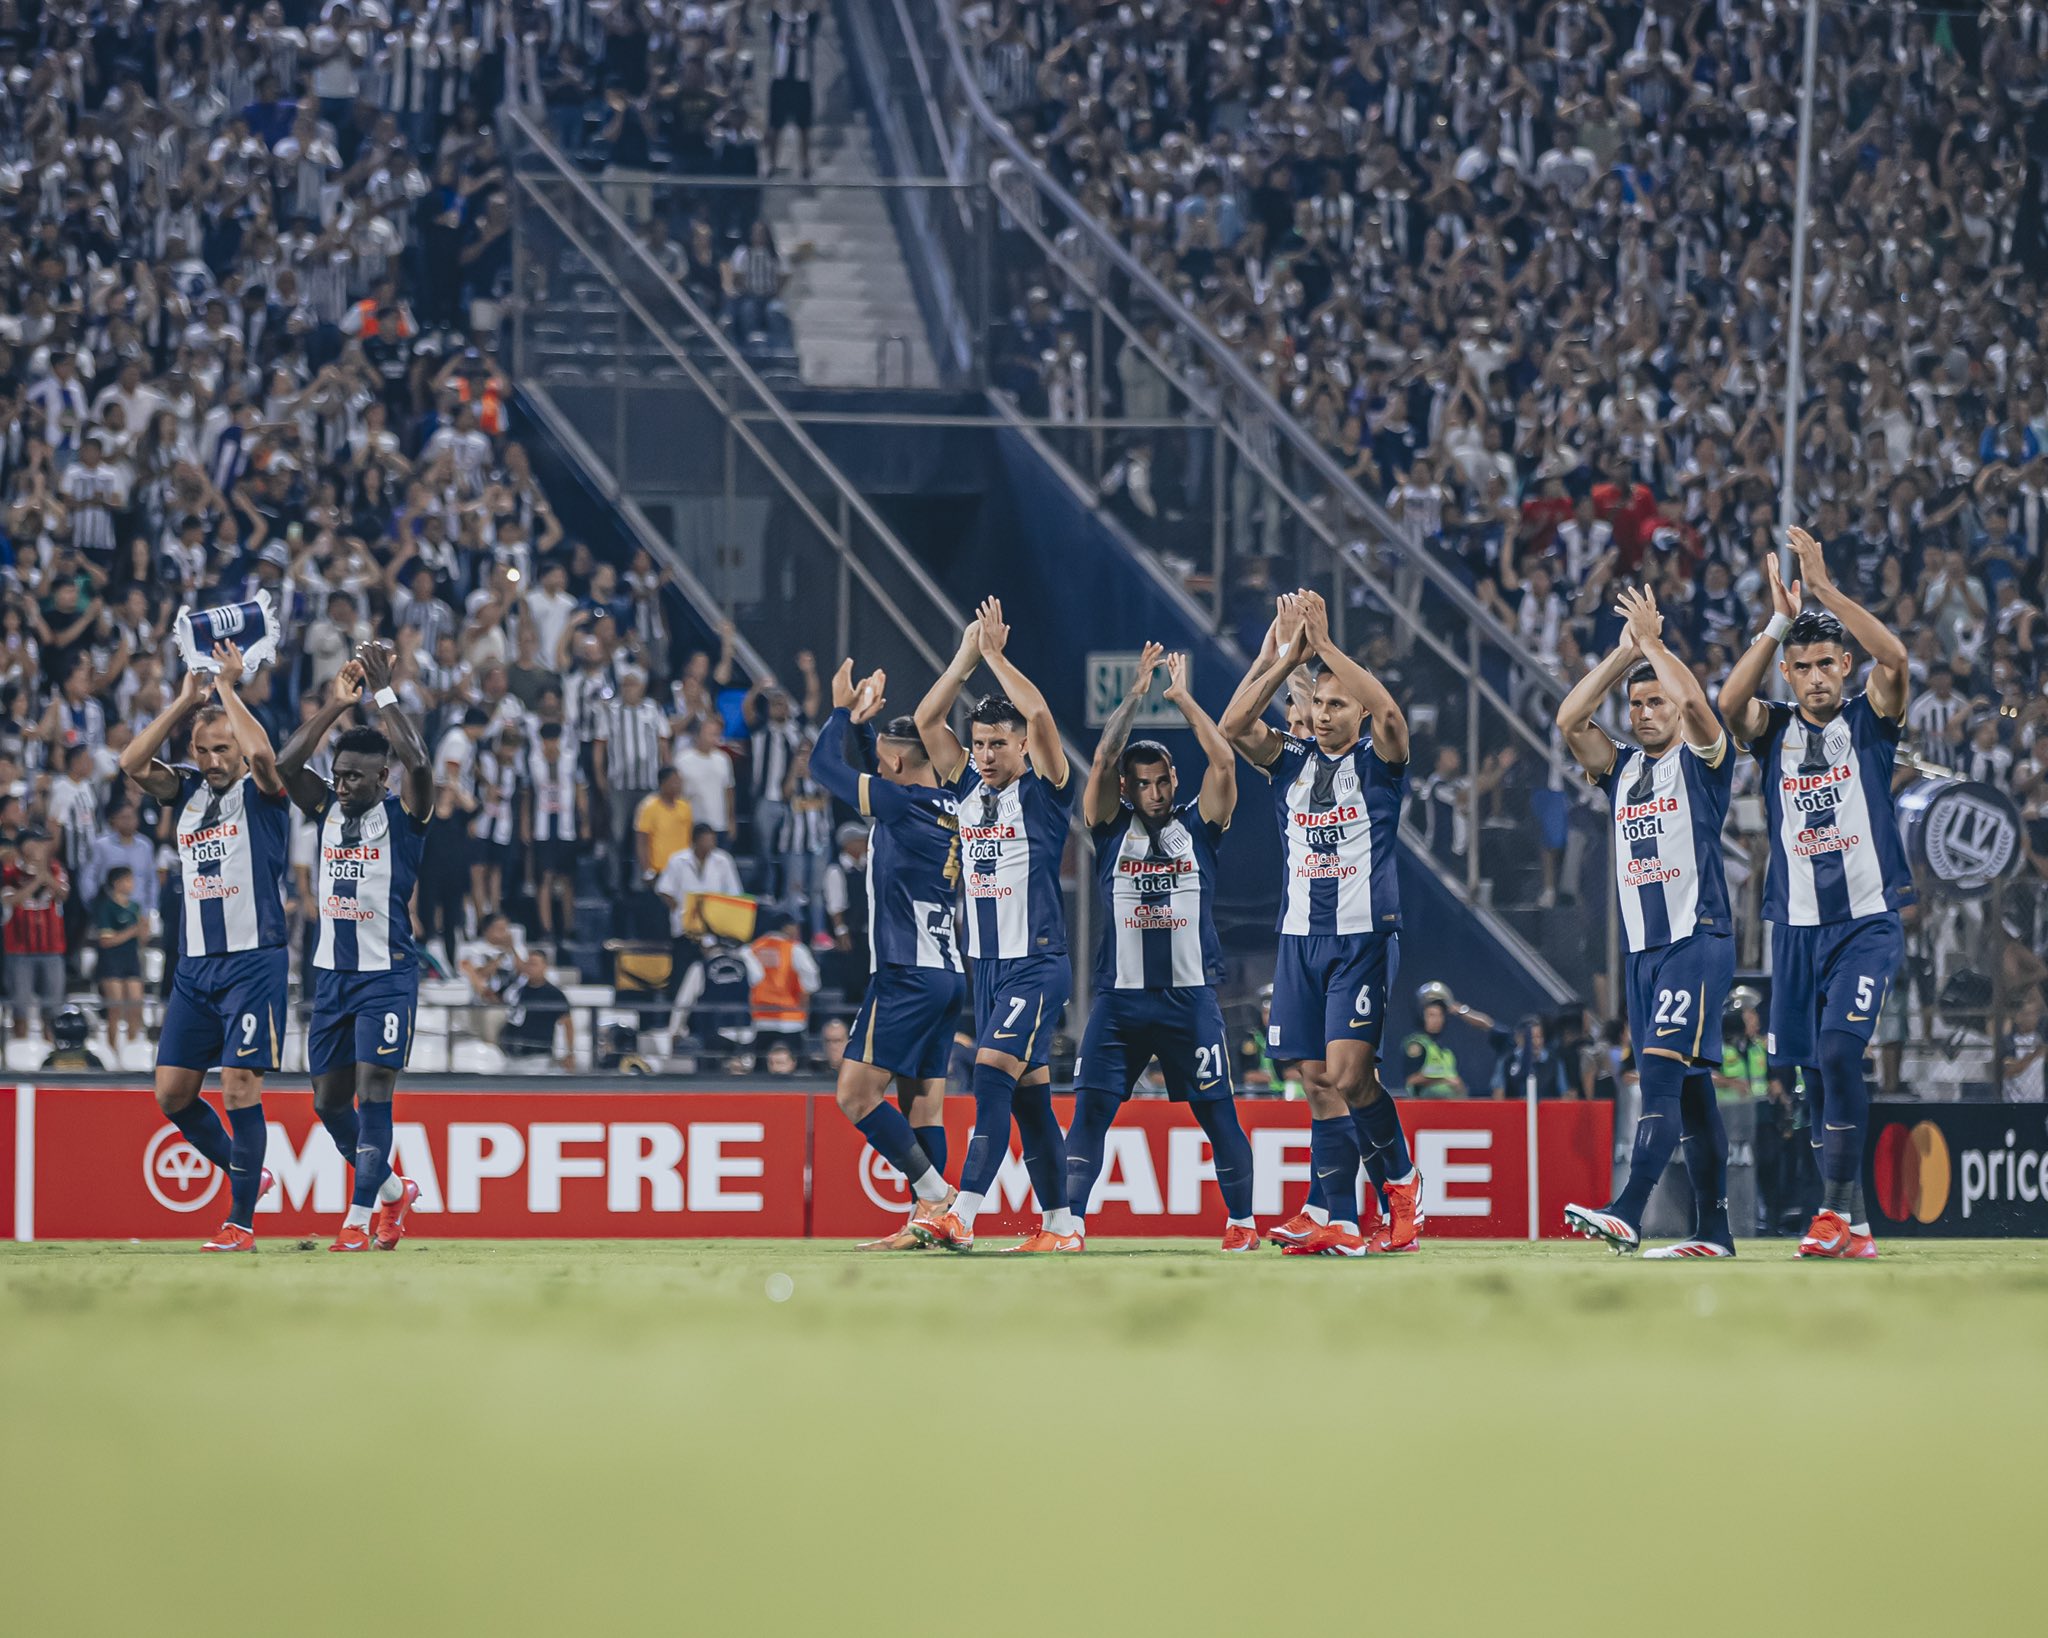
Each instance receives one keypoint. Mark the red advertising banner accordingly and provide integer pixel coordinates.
(82, 1163)
(1158, 1177)
(490, 1165)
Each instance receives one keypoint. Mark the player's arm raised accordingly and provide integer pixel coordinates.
(308, 791)
(249, 733)
(1586, 740)
(139, 760)
(831, 767)
(1889, 679)
(1041, 732)
(948, 757)
(416, 793)
(1746, 715)
(1219, 784)
(1700, 727)
(1243, 724)
(1104, 795)
(1389, 725)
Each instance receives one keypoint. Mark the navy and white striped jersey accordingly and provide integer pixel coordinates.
(1836, 853)
(1158, 891)
(554, 795)
(1012, 841)
(1338, 817)
(913, 873)
(1668, 811)
(232, 854)
(363, 882)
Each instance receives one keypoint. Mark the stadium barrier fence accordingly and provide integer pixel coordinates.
(98, 1161)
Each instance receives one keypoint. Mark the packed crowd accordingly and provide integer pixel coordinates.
(1523, 270)
(255, 269)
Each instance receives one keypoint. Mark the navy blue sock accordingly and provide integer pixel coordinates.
(1846, 1113)
(889, 1135)
(245, 1172)
(1375, 1169)
(993, 1092)
(342, 1126)
(1703, 1143)
(932, 1140)
(1232, 1152)
(1333, 1151)
(1656, 1135)
(202, 1129)
(1045, 1149)
(1315, 1200)
(1381, 1139)
(373, 1151)
(1094, 1112)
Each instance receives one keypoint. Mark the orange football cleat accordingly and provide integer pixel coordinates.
(1381, 1239)
(1240, 1237)
(351, 1238)
(1404, 1215)
(1329, 1241)
(231, 1237)
(1046, 1240)
(902, 1240)
(1829, 1235)
(387, 1223)
(1294, 1231)
(945, 1231)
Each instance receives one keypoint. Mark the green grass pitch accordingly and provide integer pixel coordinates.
(597, 1438)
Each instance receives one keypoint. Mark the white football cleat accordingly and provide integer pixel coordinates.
(1602, 1225)
(1692, 1248)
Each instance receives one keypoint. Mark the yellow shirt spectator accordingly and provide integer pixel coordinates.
(662, 824)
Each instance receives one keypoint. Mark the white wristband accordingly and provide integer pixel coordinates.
(389, 696)
(1776, 627)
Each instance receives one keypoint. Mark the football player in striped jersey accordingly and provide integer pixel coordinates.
(1669, 796)
(1838, 875)
(1158, 961)
(1339, 799)
(366, 980)
(230, 990)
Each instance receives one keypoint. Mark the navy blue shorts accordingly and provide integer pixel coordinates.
(1182, 1028)
(227, 1011)
(1830, 977)
(1330, 988)
(1017, 1005)
(362, 1018)
(905, 1023)
(1677, 994)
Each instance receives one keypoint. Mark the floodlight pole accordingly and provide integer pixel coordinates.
(1788, 478)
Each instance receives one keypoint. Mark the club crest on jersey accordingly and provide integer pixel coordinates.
(376, 824)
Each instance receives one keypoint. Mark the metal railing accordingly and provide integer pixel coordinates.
(701, 450)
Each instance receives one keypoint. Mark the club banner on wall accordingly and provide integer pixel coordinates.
(103, 1163)
(1976, 1170)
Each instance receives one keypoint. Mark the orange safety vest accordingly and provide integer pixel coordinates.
(779, 998)
(490, 411)
(367, 311)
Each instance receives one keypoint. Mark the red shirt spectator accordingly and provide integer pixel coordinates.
(33, 889)
(1634, 519)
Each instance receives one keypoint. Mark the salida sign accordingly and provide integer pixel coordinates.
(104, 1164)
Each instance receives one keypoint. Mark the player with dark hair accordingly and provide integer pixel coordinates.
(1158, 960)
(1838, 875)
(366, 980)
(904, 1029)
(1013, 832)
(231, 988)
(1339, 796)
(1669, 801)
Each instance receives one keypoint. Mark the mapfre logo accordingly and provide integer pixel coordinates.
(181, 1178)
(1912, 1172)
(883, 1183)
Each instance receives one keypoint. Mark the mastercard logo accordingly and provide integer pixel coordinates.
(1912, 1172)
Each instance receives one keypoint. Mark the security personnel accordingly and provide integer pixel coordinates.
(68, 1031)
(781, 997)
(1432, 1067)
